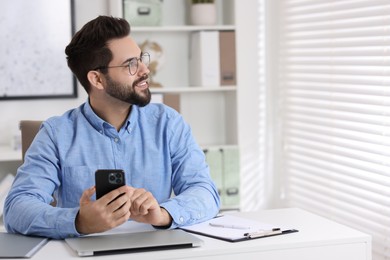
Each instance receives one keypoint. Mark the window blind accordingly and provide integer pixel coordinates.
(335, 92)
(255, 184)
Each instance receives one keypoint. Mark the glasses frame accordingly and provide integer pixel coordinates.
(140, 59)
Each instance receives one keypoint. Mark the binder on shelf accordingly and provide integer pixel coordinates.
(214, 160)
(227, 48)
(172, 100)
(204, 62)
(231, 176)
(225, 171)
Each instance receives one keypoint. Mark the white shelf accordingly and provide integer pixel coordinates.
(7, 154)
(185, 28)
(197, 89)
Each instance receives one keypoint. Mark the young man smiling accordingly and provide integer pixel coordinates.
(116, 128)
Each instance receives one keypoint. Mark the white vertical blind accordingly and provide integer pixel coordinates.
(255, 187)
(335, 90)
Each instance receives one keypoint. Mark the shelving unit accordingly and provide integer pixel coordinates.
(181, 28)
(195, 89)
(211, 111)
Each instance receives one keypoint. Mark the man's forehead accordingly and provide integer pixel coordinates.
(124, 48)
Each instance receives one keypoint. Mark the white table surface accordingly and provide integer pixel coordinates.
(318, 238)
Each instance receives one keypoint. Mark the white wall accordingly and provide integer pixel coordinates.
(14, 111)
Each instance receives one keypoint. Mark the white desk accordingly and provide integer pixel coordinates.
(318, 238)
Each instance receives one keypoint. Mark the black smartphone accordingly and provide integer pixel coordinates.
(107, 180)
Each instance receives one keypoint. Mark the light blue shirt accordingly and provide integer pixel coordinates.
(155, 148)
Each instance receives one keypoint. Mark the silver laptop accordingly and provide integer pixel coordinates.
(133, 242)
(20, 246)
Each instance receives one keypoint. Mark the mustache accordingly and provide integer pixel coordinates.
(142, 78)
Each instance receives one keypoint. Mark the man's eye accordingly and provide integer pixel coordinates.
(133, 63)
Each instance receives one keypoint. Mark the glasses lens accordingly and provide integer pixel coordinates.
(145, 59)
(133, 66)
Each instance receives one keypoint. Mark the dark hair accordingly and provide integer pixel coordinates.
(88, 47)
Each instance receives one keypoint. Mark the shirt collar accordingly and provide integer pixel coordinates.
(99, 124)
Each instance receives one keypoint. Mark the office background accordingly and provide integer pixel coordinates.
(313, 109)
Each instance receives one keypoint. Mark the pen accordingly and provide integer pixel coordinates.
(228, 226)
(263, 233)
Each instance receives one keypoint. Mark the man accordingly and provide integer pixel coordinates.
(116, 128)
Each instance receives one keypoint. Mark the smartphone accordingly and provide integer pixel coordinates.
(107, 180)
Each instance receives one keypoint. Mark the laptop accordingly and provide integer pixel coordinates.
(133, 242)
(20, 246)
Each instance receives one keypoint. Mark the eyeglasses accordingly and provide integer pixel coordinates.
(133, 64)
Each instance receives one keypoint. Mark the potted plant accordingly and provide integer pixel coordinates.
(203, 12)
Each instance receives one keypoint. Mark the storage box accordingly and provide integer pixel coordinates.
(142, 12)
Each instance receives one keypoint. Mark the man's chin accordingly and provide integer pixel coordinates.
(143, 100)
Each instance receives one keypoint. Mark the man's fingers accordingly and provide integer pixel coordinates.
(106, 213)
(87, 194)
(119, 202)
(141, 202)
(122, 210)
(112, 195)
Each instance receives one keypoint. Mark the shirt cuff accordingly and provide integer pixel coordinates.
(66, 223)
(179, 216)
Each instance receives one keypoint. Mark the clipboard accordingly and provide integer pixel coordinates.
(235, 229)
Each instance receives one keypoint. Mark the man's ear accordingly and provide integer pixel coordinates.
(95, 79)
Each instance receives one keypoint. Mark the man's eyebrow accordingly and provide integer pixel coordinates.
(129, 59)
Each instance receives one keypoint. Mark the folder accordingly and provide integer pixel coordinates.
(214, 160)
(224, 167)
(227, 48)
(231, 176)
(235, 229)
(204, 63)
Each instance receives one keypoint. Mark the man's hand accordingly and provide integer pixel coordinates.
(105, 213)
(145, 208)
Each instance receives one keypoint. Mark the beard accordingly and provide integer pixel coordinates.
(127, 93)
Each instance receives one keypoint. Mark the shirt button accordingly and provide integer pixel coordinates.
(116, 140)
(181, 219)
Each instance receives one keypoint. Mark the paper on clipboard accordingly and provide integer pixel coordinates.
(232, 228)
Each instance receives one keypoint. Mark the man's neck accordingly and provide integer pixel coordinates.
(115, 113)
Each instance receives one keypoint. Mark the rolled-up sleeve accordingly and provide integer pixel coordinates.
(27, 208)
(196, 197)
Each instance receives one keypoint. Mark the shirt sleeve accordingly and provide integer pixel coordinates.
(196, 197)
(27, 208)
